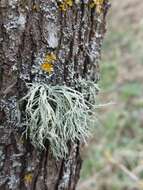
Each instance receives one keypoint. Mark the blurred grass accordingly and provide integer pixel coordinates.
(121, 125)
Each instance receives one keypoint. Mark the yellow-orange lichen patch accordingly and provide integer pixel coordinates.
(47, 65)
(50, 57)
(66, 4)
(35, 8)
(98, 4)
(28, 178)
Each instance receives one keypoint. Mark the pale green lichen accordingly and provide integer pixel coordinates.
(89, 89)
(58, 115)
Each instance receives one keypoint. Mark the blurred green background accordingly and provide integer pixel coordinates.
(113, 158)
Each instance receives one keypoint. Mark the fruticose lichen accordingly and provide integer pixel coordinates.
(57, 114)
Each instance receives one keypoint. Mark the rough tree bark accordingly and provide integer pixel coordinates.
(30, 29)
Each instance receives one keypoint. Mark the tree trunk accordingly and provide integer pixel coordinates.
(30, 30)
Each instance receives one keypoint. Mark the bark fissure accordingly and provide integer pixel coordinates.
(60, 174)
(45, 170)
(36, 174)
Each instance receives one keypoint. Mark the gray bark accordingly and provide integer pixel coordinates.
(29, 30)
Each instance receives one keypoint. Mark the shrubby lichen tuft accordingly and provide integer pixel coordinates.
(58, 115)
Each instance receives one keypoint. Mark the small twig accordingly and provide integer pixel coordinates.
(122, 167)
